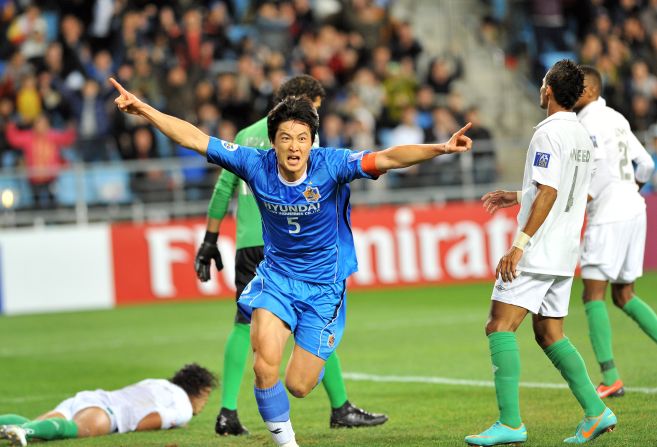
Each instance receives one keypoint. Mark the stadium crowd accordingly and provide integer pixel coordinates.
(618, 37)
(216, 64)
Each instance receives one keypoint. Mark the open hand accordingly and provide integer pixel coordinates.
(459, 141)
(126, 101)
(496, 200)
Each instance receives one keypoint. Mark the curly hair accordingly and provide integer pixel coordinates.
(293, 108)
(193, 378)
(302, 85)
(567, 82)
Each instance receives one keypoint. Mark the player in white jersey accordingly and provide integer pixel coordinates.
(536, 274)
(614, 240)
(151, 404)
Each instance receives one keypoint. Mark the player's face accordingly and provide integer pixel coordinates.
(544, 96)
(586, 95)
(292, 144)
(198, 402)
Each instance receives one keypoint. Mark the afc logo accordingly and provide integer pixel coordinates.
(542, 159)
(231, 147)
(331, 340)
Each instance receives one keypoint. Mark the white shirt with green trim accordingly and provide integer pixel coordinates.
(613, 187)
(560, 155)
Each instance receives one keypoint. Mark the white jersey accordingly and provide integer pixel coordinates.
(560, 156)
(134, 402)
(613, 187)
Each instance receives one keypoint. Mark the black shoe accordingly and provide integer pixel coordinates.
(229, 424)
(350, 416)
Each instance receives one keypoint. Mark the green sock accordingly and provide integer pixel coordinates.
(644, 316)
(333, 381)
(235, 354)
(505, 355)
(600, 335)
(571, 365)
(12, 419)
(56, 428)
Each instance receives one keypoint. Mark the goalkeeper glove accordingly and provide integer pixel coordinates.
(206, 253)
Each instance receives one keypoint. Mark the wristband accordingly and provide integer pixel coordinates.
(519, 196)
(211, 237)
(521, 240)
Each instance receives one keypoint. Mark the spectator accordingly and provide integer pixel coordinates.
(643, 82)
(7, 158)
(642, 113)
(484, 164)
(151, 185)
(425, 105)
(41, 147)
(404, 44)
(441, 76)
(90, 109)
(332, 131)
(28, 31)
(28, 101)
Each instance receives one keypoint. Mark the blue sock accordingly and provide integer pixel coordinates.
(273, 403)
(274, 407)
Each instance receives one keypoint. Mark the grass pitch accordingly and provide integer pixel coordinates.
(425, 346)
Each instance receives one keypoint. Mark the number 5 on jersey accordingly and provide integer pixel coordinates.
(295, 227)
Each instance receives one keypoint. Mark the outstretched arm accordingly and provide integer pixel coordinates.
(397, 157)
(182, 132)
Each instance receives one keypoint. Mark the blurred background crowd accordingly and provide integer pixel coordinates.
(619, 38)
(217, 63)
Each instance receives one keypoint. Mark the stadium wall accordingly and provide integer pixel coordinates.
(106, 265)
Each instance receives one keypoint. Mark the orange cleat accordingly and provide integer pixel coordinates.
(614, 390)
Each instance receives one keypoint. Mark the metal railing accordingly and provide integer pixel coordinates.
(161, 189)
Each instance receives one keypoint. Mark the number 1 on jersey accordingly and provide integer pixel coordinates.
(571, 198)
(292, 221)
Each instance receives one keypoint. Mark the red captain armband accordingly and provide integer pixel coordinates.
(369, 165)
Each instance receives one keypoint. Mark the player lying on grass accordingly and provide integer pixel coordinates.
(151, 404)
(303, 197)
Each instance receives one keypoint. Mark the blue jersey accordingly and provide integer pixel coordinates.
(306, 225)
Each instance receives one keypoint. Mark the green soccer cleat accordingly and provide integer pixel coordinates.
(498, 434)
(592, 427)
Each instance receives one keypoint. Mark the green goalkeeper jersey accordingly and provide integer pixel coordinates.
(249, 225)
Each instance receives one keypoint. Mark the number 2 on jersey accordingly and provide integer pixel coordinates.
(624, 164)
(292, 222)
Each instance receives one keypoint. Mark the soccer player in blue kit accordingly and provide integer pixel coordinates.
(303, 197)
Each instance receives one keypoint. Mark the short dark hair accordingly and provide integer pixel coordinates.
(293, 108)
(301, 85)
(193, 378)
(594, 75)
(567, 82)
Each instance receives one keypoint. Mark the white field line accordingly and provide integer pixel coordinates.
(361, 377)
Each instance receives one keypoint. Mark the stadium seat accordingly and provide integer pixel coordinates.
(237, 32)
(66, 188)
(548, 59)
(52, 24)
(111, 185)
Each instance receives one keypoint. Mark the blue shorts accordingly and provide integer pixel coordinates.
(314, 312)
